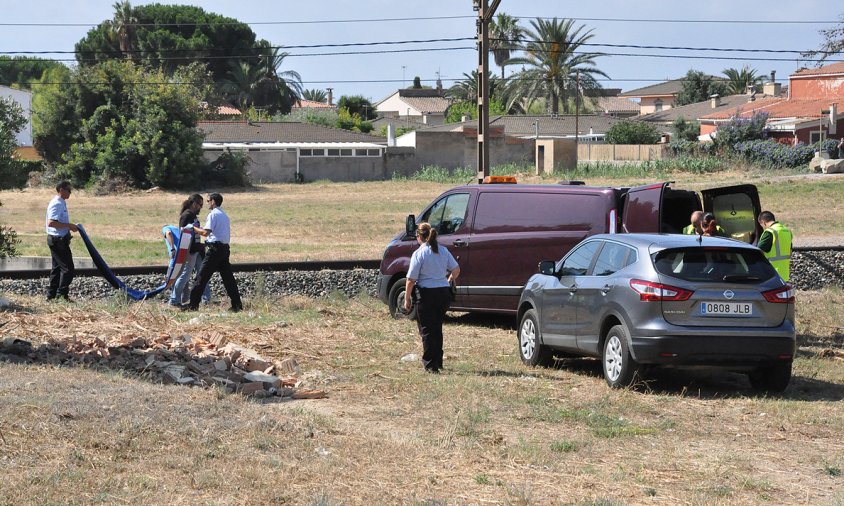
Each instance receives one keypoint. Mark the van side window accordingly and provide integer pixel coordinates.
(579, 260)
(613, 258)
(448, 214)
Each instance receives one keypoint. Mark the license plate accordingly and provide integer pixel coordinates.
(726, 309)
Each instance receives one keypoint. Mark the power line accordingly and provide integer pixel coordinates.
(309, 46)
(438, 18)
(225, 23)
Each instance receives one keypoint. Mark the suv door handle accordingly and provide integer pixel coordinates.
(459, 243)
(606, 289)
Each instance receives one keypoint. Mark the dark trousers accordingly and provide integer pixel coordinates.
(62, 271)
(430, 311)
(216, 260)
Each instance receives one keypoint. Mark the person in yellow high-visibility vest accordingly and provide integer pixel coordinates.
(775, 242)
(694, 226)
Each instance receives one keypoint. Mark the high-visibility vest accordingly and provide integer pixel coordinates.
(689, 230)
(780, 252)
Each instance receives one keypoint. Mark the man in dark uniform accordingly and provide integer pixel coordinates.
(59, 227)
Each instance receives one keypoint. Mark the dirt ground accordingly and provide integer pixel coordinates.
(487, 431)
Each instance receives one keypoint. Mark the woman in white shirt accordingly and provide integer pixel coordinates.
(432, 269)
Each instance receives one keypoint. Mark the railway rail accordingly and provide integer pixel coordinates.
(318, 265)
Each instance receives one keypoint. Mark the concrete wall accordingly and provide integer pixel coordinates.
(622, 152)
(554, 155)
(276, 166)
(459, 149)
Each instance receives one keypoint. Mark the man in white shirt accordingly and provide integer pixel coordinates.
(59, 227)
(217, 231)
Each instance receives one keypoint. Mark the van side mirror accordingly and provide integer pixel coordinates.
(410, 225)
(547, 267)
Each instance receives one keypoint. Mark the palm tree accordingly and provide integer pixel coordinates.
(466, 90)
(261, 84)
(123, 27)
(740, 80)
(505, 35)
(552, 65)
(314, 95)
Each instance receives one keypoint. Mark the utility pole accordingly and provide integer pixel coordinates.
(485, 13)
(576, 112)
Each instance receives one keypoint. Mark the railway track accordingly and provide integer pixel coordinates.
(339, 265)
(144, 270)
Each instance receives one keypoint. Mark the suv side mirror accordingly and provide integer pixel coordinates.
(547, 267)
(410, 225)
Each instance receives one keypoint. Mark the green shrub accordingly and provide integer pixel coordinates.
(632, 132)
(229, 169)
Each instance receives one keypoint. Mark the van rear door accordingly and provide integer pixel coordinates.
(643, 208)
(736, 208)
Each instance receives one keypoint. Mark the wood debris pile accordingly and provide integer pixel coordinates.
(204, 361)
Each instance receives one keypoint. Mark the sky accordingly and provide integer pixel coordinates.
(621, 22)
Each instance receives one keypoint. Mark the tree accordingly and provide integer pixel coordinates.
(357, 104)
(698, 87)
(456, 111)
(554, 60)
(833, 43)
(119, 122)
(685, 130)
(168, 37)
(12, 121)
(417, 82)
(123, 27)
(505, 35)
(632, 132)
(740, 80)
(22, 71)
(262, 85)
(315, 95)
(352, 121)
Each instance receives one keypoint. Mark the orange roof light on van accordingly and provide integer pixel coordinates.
(499, 179)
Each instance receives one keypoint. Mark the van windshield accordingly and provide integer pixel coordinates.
(714, 264)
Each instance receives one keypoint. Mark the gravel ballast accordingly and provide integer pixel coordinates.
(810, 270)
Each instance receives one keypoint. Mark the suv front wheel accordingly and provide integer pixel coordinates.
(531, 349)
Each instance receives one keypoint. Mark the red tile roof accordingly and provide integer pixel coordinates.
(776, 108)
(312, 104)
(835, 68)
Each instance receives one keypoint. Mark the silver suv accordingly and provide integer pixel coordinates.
(637, 300)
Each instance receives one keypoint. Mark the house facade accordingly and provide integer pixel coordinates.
(419, 105)
(811, 111)
(24, 99)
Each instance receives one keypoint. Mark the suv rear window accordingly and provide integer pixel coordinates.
(714, 264)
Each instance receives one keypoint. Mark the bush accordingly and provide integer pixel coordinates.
(633, 132)
(773, 155)
(229, 169)
(740, 129)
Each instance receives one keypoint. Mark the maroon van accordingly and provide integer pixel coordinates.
(499, 232)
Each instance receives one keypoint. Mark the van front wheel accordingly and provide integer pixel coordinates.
(396, 299)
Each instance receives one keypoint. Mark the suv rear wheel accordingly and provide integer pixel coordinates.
(620, 370)
(771, 379)
(531, 349)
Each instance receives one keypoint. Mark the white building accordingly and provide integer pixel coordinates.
(24, 99)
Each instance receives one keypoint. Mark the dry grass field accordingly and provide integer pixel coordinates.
(328, 221)
(487, 431)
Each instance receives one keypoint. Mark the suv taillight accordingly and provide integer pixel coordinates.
(781, 295)
(651, 292)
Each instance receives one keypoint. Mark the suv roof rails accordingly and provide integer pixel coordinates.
(571, 183)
